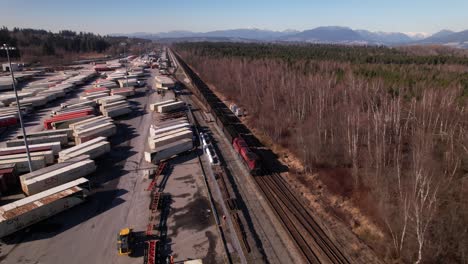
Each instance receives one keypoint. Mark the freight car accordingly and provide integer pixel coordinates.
(227, 121)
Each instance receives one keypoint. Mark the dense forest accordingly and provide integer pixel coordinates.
(392, 124)
(41, 45)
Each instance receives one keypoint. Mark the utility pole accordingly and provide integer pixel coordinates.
(124, 44)
(7, 48)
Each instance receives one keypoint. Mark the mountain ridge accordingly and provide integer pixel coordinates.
(324, 34)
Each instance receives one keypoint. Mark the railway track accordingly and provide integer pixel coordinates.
(315, 245)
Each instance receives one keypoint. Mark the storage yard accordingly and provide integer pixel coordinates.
(108, 152)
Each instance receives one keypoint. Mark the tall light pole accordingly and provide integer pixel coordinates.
(7, 48)
(124, 44)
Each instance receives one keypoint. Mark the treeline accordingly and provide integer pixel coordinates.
(402, 144)
(326, 52)
(34, 44)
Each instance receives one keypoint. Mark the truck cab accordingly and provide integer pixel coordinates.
(124, 242)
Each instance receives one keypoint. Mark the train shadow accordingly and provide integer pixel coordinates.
(165, 243)
(139, 244)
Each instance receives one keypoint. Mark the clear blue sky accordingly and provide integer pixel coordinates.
(125, 16)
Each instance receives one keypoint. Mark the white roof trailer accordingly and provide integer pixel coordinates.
(30, 210)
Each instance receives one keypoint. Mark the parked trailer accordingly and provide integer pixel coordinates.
(157, 142)
(94, 151)
(68, 132)
(168, 133)
(94, 96)
(35, 101)
(22, 163)
(171, 107)
(113, 104)
(71, 110)
(81, 104)
(110, 99)
(66, 123)
(171, 123)
(84, 145)
(54, 146)
(62, 138)
(52, 168)
(8, 178)
(154, 106)
(117, 111)
(20, 151)
(96, 89)
(48, 156)
(30, 210)
(127, 82)
(90, 121)
(58, 177)
(123, 91)
(48, 122)
(10, 120)
(177, 126)
(95, 124)
(169, 150)
(105, 130)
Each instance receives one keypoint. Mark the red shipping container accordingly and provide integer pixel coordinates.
(62, 117)
(97, 89)
(8, 178)
(4, 122)
(3, 185)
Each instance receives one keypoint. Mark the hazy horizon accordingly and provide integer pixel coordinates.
(108, 17)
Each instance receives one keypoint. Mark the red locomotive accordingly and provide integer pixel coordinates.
(249, 158)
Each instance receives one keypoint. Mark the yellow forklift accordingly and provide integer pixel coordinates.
(125, 241)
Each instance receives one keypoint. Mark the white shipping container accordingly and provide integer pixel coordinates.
(169, 124)
(163, 123)
(114, 112)
(168, 151)
(171, 107)
(94, 96)
(35, 101)
(89, 121)
(165, 129)
(154, 106)
(85, 103)
(58, 177)
(51, 168)
(81, 146)
(55, 146)
(30, 210)
(113, 104)
(94, 151)
(48, 156)
(68, 132)
(167, 133)
(62, 138)
(110, 99)
(103, 132)
(22, 163)
(157, 142)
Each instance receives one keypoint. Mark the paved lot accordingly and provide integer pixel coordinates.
(192, 233)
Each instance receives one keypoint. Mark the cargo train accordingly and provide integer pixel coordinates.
(227, 121)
